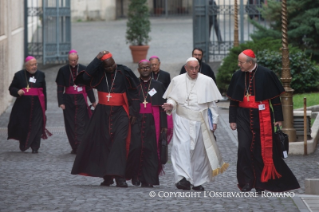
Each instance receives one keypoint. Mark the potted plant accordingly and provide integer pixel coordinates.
(138, 28)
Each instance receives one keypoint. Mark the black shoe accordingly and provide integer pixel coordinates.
(259, 191)
(21, 147)
(246, 188)
(198, 188)
(34, 151)
(147, 185)
(120, 182)
(107, 181)
(135, 182)
(73, 151)
(183, 184)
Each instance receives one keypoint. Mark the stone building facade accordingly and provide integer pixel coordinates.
(11, 46)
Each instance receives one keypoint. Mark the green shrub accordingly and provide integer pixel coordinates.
(304, 72)
(138, 23)
(229, 65)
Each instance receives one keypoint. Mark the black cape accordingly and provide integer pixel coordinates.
(75, 114)
(265, 86)
(268, 86)
(26, 118)
(143, 161)
(103, 149)
(204, 69)
(163, 77)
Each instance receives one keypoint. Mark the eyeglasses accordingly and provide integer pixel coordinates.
(145, 68)
(154, 65)
(239, 62)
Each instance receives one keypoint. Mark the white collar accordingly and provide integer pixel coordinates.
(253, 68)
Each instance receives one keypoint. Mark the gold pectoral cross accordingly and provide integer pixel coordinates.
(247, 96)
(145, 102)
(28, 88)
(108, 97)
(74, 86)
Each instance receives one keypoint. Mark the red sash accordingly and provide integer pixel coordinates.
(117, 99)
(39, 92)
(269, 171)
(70, 90)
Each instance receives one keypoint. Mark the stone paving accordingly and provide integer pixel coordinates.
(42, 182)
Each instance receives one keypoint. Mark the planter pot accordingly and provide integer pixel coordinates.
(139, 53)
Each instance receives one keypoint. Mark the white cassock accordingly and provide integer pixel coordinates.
(194, 154)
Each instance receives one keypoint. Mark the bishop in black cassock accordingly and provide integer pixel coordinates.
(145, 166)
(158, 74)
(104, 149)
(251, 91)
(27, 118)
(73, 100)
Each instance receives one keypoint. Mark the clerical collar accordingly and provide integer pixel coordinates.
(253, 68)
(146, 80)
(74, 66)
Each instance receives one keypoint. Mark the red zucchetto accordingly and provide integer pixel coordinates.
(106, 56)
(249, 53)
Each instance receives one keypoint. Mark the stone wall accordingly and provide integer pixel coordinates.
(92, 10)
(11, 46)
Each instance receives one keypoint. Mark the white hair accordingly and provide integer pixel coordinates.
(191, 59)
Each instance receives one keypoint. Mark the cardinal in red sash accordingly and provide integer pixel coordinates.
(252, 92)
(104, 149)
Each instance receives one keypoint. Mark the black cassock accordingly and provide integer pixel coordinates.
(26, 118)
(204, 69)
(76, 116)
(143, 161)
(103, 149)
(263, 84)
(163, 77)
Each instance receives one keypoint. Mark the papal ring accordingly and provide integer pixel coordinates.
(104, 52)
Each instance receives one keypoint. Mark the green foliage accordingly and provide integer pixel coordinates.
(303, 24)
(303, 71)
(138, 24)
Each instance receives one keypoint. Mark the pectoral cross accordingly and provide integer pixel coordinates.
(247, 96)
(108, 97)
(27, 88)
(145, 102)
(187, 100)
(74, 86)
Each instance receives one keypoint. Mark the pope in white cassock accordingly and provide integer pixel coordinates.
(195, 156)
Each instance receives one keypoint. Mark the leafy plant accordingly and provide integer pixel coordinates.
(138, 24)
(303, 24)
(303, 71)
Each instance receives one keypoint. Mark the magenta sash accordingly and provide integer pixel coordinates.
(39, 92)
(70, 90)
(154, 110)
(169, 128)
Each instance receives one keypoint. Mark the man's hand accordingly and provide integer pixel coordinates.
(100, 54)
(133, 119)
(21, 92)
(233, 126)
(62, 106)
(214, 127)
(94, 104)
(167, 107)
(164, 130)
(278, 123)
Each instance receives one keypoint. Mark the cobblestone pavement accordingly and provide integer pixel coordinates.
(42, 182)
